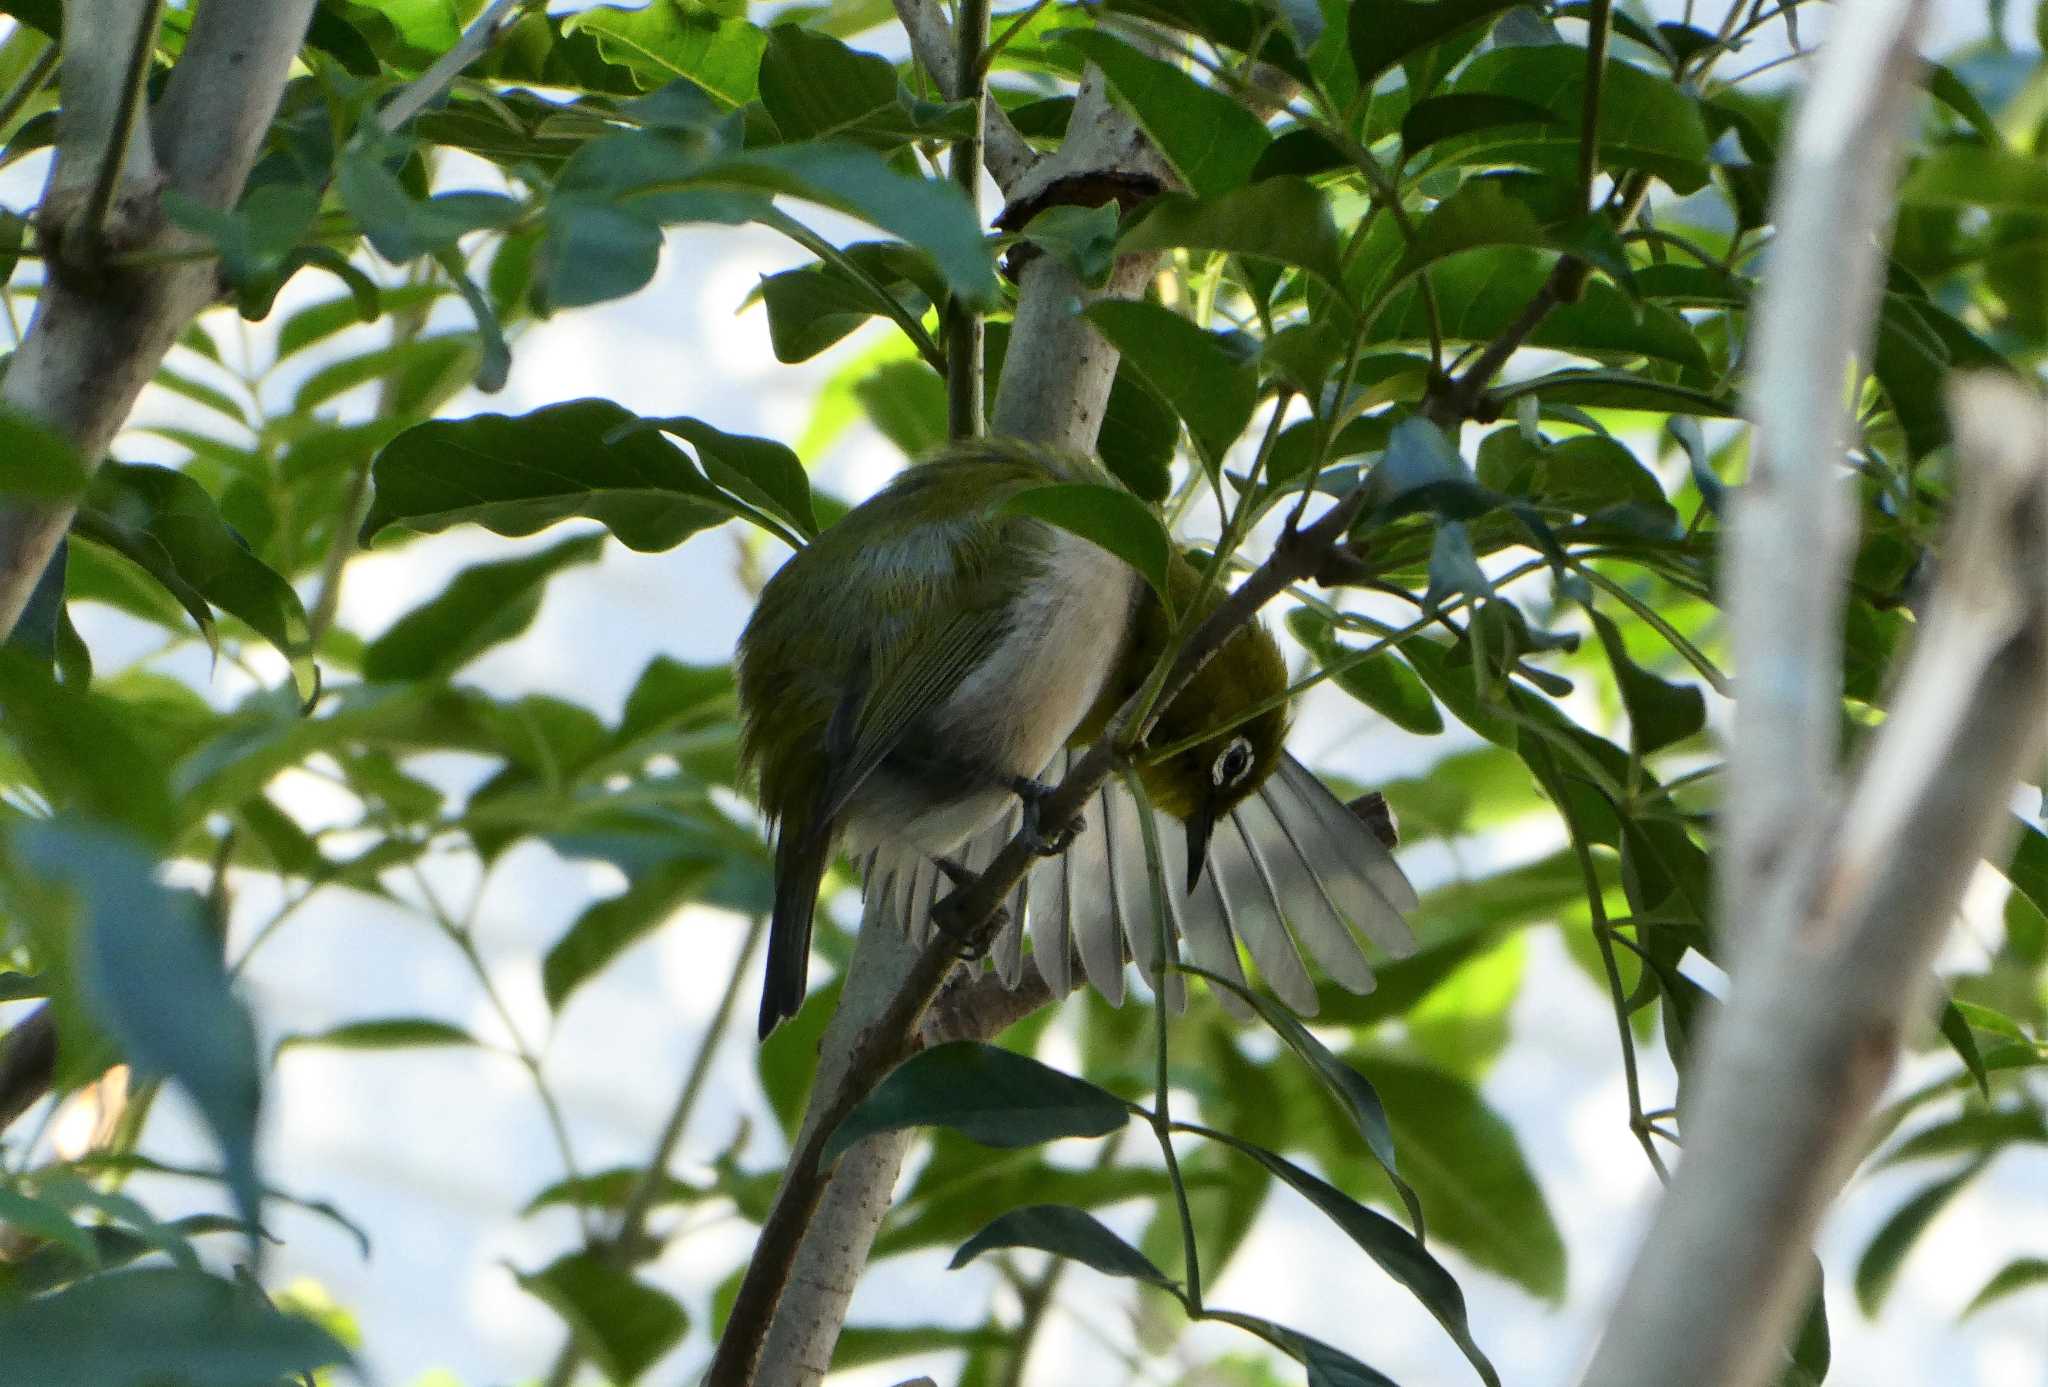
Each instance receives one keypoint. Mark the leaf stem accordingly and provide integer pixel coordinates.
(31, 82)
(845, 264)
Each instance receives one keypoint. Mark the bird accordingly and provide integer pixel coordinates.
(910, 679)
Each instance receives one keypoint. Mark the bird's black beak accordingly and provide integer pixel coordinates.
(1199, 825)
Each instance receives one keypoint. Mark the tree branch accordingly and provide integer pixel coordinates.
(1795, 513)
(1791, 1072)
(1843, 902)
(1008, 154)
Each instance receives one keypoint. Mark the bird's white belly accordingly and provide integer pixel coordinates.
(1016, 708)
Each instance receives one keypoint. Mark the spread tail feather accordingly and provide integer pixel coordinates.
(800, 857)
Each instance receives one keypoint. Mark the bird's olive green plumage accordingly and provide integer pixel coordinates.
(904, 675)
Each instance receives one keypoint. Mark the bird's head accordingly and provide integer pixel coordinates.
(1226, 756)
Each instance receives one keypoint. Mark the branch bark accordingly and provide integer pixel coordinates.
(1843, 900)
(99, 334)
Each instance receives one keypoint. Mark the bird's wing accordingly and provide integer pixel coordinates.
(1291, 870)
(910, 681)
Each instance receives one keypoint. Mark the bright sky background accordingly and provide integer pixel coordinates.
(434, 1152)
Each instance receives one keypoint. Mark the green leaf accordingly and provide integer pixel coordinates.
(1208, 385)
(1478, 296)
(1438, 118)
(483, 606)
(860, 1345)
(962, 1184)
(759, 471)
(1955, 1028)
(1646, 122)
(1081, 238)
(1469, 1172)
(2015, 1276)
(1879, 1266)
(992, 1095)
(610, 1189)
(1397, 1251)
(1479, 215)
(1387, 33)
(516, 476)
(676, 38)
(624, 1325)
(417, 357)
(158, 506)
(1284, 219)
(906, 402)
(319, 322)
(1383, 683)
(1660, 712)
(815, 87)
(1327, 1367)
(594, 252)
(152, 976)
(1106, 516)
(1209, 137)
(1351, 1090)
(1065, 1232)
(401, 227)
(149, 1326)
(611, 926)
(382, 1033)
(1997, 179)
(40, 462)
(48, 1221)
(811, 308)
(929, 213)
(1973, 1131)
(79, 745)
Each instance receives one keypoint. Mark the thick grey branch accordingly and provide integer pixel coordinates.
(1837, 905)
(1792, 1070)
(1792, 525)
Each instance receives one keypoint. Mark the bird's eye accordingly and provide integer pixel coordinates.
(1234, 764)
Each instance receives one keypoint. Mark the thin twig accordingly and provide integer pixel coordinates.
(31, 82)
(89, 232)
(428, 87)
(964, 334)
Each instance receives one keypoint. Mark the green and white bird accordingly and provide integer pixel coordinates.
(910, 680)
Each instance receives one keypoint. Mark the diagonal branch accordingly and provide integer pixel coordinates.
(1835, 905)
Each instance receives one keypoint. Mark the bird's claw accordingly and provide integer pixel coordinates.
(945, 914)
(1041, 841)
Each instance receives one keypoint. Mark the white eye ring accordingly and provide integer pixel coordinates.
(1233, 765)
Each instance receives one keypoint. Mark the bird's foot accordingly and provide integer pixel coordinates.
(1044, 842)
(946, 913)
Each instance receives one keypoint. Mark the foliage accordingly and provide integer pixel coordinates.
(1377, 201)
